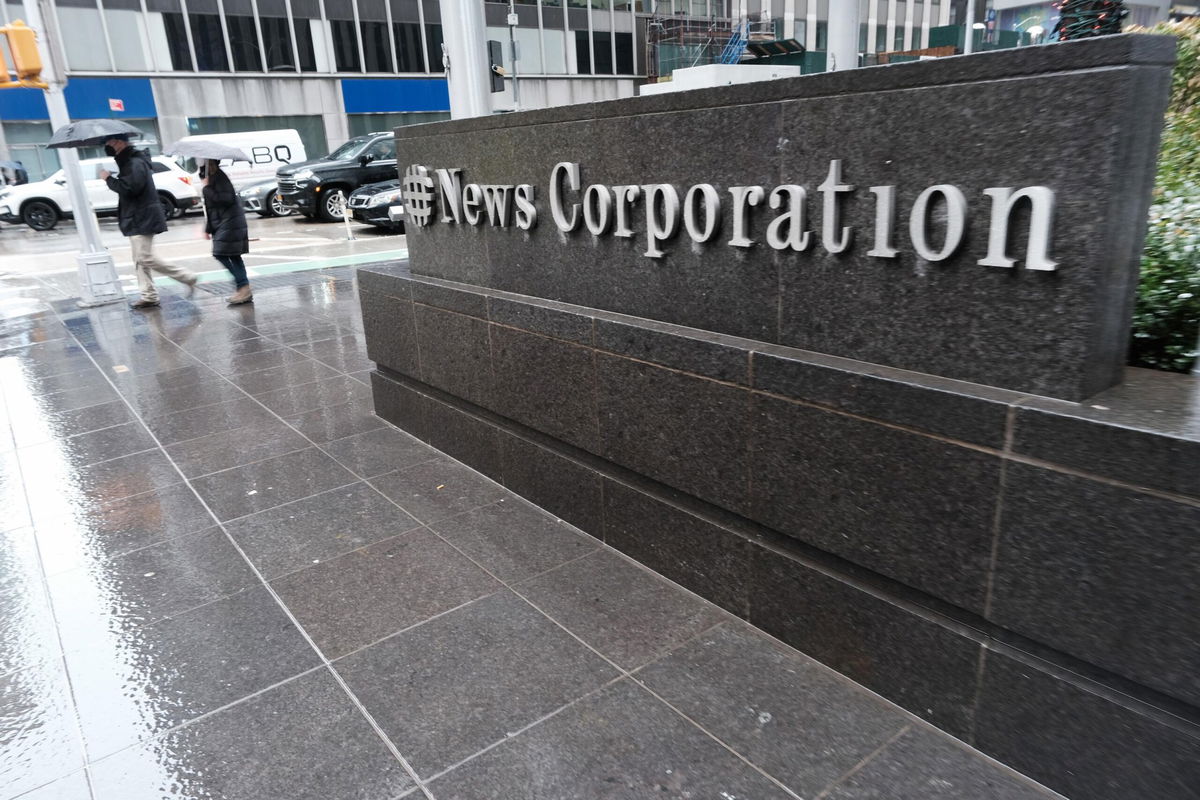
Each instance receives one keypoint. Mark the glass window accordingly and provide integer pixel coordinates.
(408, 47)
(583, 54)
(243, 36)
(127, 33)
(345, 45)
(554, 52)
(377, 49)
(433, 38)
(624, 53)
(277, 36)
(383, 150)
(362, 124)
(82, 36)
(208, 36)
(602, 44)
(309, 35)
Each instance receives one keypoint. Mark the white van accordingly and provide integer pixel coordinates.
(268, 151)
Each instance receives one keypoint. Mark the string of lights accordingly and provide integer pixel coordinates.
(1079, 19)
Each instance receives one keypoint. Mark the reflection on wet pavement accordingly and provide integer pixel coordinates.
(222, 577)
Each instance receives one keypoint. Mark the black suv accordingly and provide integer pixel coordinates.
(319, 188)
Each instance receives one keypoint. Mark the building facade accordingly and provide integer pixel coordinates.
(333, 69)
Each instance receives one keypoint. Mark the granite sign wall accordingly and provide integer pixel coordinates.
(809, 347)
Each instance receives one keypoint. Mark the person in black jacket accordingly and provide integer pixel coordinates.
(227, 229)
(140, 216)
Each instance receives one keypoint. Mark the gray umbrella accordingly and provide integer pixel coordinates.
(11, 165)
(202, 148)
(91, 132)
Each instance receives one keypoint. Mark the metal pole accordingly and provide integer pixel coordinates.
(466, 47)
(969, 39)
(512, 44)
(98, 282)
(843, 36)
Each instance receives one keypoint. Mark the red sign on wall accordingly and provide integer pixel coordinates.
(116, 105)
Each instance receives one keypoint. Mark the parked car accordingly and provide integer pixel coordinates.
(379, 204)
(319, 188)
(262, 197)
(42, 204)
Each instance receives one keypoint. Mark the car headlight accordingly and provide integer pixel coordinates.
(247, 193)
(304, 176)
(385, 199)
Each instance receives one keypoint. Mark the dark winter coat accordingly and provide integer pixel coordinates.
(139, 211)
(226, 219)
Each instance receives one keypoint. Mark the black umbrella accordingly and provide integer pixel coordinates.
(91, 132)
(202, 148)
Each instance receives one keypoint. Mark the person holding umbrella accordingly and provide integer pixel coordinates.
(226, 226)
(225, 219)
(140, 216)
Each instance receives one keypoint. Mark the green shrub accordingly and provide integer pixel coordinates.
(1166, 321)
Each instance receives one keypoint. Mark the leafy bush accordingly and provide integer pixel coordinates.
(1166, 321)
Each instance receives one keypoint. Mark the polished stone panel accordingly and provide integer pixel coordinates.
(913, 661)
(437, 489)
(708, 354)
(62, 485)
(400, 405)
(464, 436)
(921, 765)
(182, 426)
(699, 555)
(134, 683)
(514, 540)
(1061, 333)
(447, 689)
(297, 535)
(455, 353)
(302, 740)
(391, 331)
(1104, 573)
(870, 493)
(545, 318)
(356, 599)
(687, 432)
(72, 787)
(630, 615)
(804, 724)
(39, 738)
(1083, 743)
(563, 487)
(291, 374)
(27, 630)
(546, 384)
(379, 451)
(265, 484)
(959, 410)
(1145, 432)
(236, 446)
(147, 585)
(318, 394)
(91, 534)
(618, 743)
(337, 422)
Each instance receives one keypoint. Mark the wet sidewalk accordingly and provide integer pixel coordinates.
(222, 577)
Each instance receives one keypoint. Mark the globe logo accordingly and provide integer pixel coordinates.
(418, 195)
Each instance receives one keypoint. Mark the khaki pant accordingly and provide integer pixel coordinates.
(146, 264)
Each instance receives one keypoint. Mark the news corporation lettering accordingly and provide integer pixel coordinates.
(659, 210)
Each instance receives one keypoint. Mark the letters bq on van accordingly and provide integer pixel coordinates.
(701, 210)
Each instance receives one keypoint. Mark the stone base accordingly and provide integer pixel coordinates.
(937, 541)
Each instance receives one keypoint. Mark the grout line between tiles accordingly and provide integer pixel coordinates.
(861, 764)
(287, 612)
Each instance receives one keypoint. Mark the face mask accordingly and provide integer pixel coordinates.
(109, 150)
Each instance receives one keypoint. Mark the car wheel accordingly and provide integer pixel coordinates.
(170, 210)
(332, 204)
(278, 209)
(39, 215)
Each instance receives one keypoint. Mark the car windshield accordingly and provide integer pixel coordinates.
(349, 150)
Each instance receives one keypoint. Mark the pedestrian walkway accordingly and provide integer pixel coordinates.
(222, 577)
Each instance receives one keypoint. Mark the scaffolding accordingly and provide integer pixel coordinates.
(676, 41)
